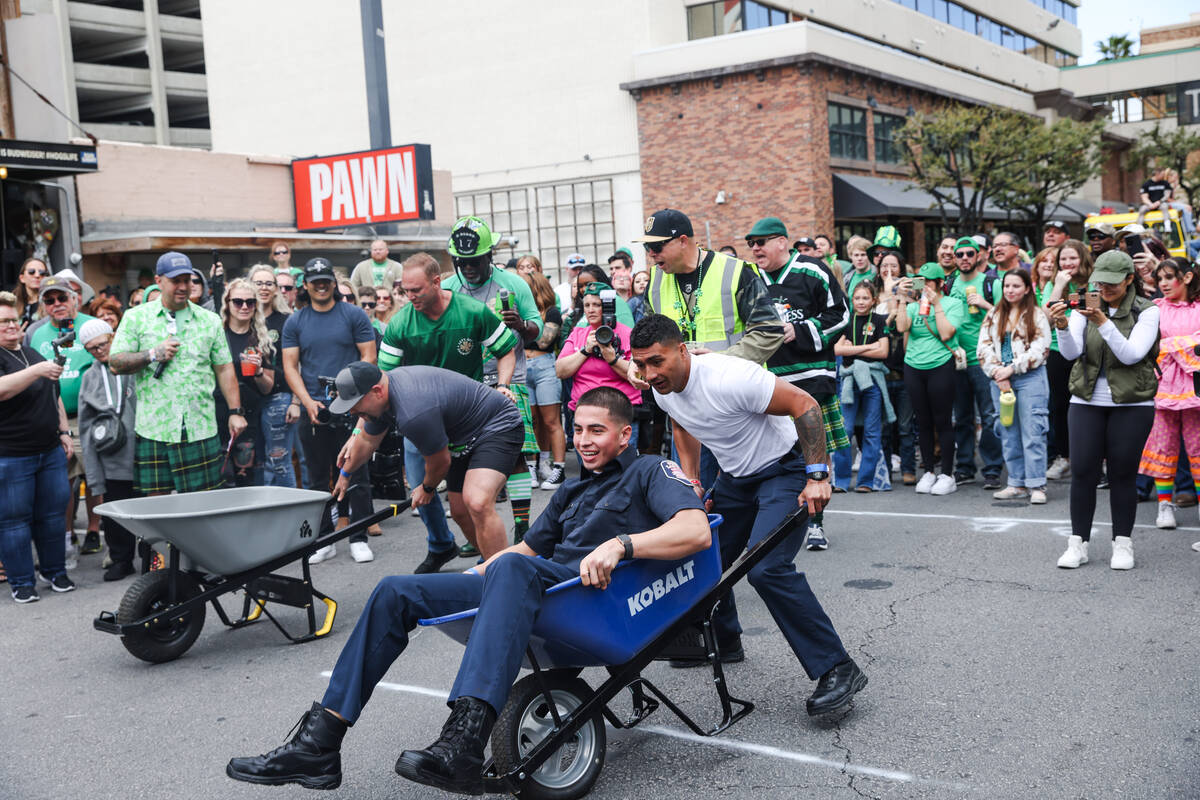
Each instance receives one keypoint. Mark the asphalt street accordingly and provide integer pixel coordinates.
(992, 675)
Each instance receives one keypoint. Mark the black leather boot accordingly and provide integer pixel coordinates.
(454, 762)
(836, 687)
(312, 758)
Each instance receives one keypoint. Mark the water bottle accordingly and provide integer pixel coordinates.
(1008, 406)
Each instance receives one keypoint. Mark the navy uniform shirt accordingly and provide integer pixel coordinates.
(631, 494)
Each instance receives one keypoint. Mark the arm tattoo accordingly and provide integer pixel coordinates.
(126, 363)
(810, 427)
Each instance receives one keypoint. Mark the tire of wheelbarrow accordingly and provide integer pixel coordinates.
(167, 640)
(526, 720)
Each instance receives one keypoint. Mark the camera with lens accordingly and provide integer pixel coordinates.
(606, 334)
(63, 342)
(330, 386)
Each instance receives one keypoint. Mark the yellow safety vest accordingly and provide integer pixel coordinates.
(714, 313)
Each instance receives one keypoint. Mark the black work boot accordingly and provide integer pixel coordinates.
(454, 762)
(312, 758)
(836, 688)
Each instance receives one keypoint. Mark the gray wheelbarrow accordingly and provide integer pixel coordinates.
(218, 542)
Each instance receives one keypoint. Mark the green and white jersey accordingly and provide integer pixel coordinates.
(466, 334)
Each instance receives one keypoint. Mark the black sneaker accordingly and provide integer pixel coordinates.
(992, 483)
(435, 561)
(91, 543)
(118, 570)
(554, 478)
(25, 594)
(59, 583)
(961, 477)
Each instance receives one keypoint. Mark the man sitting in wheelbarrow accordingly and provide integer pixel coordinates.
(651, 512)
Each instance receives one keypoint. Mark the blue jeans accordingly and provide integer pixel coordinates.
(1024, 441)
(433, 514)
(900, 433)
(277, 435)
(33, 500)
(973, 392)
(866, 411)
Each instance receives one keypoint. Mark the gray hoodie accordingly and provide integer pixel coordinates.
(116, 466)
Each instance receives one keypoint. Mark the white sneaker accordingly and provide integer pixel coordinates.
(895, 462)
(1166, 515)
(926, 483)
(1060, 469)
(361, 552)
(1010, 493)
(944, 484)
(1037, 497)
(324, 554)
(857, 461)
(1075, 554)
(1196, 546)
(1122, 553)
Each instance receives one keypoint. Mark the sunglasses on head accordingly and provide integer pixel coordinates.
(242, 302)
(760, 241)
(657, 247)
(367, 304)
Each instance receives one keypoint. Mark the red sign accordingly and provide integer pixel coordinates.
(363, 188)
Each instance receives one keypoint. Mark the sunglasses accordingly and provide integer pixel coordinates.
(242, 302)
(964, 254)
(281, 252)
(367, 304)
(41, 272)
(760, 241)
(53, 300)
(347, 298)
(657, 247)
(286, 288)
(198, 281)
(1094, 236)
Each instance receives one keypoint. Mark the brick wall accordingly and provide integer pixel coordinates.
(763, 139)
(1182, 32)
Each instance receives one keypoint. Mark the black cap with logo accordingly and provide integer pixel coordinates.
(317, 269)
(666, 224)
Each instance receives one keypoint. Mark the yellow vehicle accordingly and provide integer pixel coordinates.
(1170, 233)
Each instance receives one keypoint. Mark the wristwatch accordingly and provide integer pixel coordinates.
(818, 475)
(429, 489)
(624, 539)
(241, 412)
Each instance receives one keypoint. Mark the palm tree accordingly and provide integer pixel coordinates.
(1116, 46)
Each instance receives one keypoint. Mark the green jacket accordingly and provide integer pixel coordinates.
(1129, 383)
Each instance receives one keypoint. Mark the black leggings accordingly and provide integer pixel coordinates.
(931, 392)
(1115, 434)
(1058, 372)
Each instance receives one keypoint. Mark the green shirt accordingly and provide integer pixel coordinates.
(78, 359)
(854, 278)
(925, 350)
(461, 339)
(183, 396)
(968, 331)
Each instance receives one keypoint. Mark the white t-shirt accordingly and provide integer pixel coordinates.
(724, 405)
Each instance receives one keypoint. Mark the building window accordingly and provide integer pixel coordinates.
(731, 16)
(887, 148)
(995, 32)
(551, 220)
(847, 132)
(1140, 105)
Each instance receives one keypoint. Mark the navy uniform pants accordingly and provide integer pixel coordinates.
(509, 596)
(753, 506)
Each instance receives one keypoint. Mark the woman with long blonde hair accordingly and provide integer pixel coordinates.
(277, 421)
(255, 358)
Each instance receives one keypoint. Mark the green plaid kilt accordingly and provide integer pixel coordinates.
(521, 392)
(835, 427)
(183, 467)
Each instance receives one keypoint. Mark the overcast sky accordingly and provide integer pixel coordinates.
(1098, 19)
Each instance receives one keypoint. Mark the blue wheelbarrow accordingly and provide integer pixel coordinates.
(218, 542)
(549, 740)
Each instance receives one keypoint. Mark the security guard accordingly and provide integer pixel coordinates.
(768, 462)
(576, 537)
(718, 301)
(813, 307)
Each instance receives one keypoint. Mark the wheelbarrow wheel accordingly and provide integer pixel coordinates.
(526, 720)
(171, 636)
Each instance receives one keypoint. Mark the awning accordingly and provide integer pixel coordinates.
(32, 161)
(866, 197)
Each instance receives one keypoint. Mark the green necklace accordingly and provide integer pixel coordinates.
(687, 321)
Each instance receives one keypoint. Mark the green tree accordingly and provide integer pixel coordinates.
(962, 155)
(1175, 149)
(1115, 46)
(1057, 161)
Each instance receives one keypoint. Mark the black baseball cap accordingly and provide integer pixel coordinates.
(666, 224)
(806, 241)
(1058, 224)
(352, 383)
(318, 269)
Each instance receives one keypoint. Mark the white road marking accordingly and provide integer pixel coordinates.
(723, 743)
(989, 524)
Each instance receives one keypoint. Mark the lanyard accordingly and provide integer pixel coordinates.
(108, 391)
